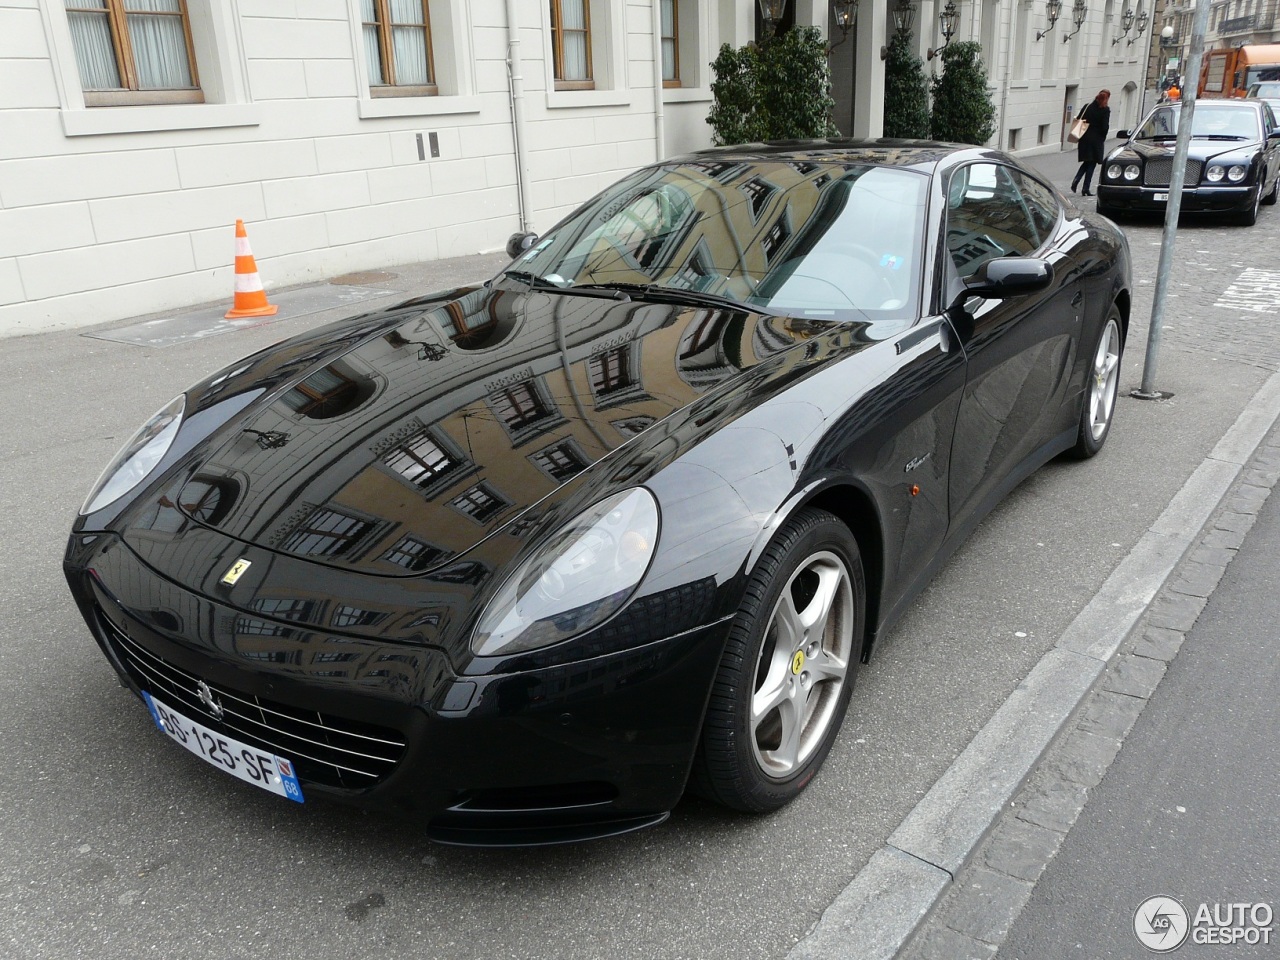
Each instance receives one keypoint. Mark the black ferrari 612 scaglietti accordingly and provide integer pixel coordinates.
(1233, 162)
(530, 558)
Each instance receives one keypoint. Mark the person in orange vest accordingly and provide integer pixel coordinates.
(1174, 94)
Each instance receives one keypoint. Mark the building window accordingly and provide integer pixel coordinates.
(758, 191)
(414, 554)
(524, 410)
(283, 608)
(571, 44)
(778, 235)
(422, 461)
(562, 461)
(670, 43)
(346, 616)
(611, 372)
(480, 503)
(327, 533)
(397, 46)
(134, 51)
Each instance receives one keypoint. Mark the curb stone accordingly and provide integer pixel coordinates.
(922, 890)
(965, 923)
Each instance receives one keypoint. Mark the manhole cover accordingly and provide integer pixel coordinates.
(364, 277)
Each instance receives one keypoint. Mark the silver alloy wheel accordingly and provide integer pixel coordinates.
(1105, 380)
(803, 665)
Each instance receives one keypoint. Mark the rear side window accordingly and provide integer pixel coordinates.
(987, 218)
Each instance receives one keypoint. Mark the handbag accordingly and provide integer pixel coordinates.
(1078, 127)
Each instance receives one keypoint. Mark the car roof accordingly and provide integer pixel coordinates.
(924, 155)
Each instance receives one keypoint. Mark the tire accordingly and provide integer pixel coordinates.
(1271, 198)
(785, 678)
(1111, 213)
(1250, 216)
(1102, 385)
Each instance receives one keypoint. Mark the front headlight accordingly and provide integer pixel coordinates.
(1215, 174)
(1114, 171)
(578, 578)
(137, 458)
(1131, 172)
(1237, 173)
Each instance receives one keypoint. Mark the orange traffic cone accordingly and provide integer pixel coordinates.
(251, 299)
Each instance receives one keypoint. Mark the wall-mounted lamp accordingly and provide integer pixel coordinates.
(948, 21)
(1052, 9)
(771, 12)
(1141, 25)
(1126, 23)
(845, 15)
(904, 14)
(1079, 12)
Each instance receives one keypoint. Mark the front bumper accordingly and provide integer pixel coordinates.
(568, 752)
(1198, 199)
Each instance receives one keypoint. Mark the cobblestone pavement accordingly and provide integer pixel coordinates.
(1227, 307)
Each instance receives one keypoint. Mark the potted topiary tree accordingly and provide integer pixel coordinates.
(780, 90)
(906, 93)
(962, 107)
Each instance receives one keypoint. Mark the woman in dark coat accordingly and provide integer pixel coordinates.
(1092, 146)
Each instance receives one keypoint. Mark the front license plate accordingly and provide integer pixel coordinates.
(1162, 196)
(262, 769)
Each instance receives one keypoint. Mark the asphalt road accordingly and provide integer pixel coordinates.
(1190, 808)
(118, 844)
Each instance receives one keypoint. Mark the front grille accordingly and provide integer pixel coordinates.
(1159, 173)
(325, 749)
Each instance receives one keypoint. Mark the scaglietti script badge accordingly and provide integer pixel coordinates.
(236, 572)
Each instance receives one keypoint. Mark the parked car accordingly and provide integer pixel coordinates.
(1233, 165)
(523, 559)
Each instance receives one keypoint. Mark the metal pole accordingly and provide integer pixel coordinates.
(1192, 75)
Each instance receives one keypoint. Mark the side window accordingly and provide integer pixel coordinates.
(1042, 205)
(133, 51)
(986, 218)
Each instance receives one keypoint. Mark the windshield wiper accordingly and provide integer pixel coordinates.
(661, 294)
(548, 285)
(532, 279)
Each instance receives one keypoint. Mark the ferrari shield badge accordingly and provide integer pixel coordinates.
(236, 571)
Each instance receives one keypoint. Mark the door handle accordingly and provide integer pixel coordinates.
(1075, 301)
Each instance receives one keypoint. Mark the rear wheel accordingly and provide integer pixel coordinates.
(787, 672)
(1101, 387)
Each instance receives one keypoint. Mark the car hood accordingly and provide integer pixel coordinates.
(1200, 149)
(451, 417)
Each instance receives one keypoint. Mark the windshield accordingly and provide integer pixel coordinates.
(798, 238)
(1230, 121)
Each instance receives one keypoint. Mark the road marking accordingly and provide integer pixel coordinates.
(1255, 291)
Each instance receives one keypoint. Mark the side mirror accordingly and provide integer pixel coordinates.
(1123, 134)
(1275, 135)
(519, 243)
(1008, 277)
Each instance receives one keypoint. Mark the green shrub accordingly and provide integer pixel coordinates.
(962, 108)
(778, 91)
(906, 93)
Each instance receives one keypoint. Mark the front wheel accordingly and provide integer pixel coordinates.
(787, 672)
(1250, 216)
(1271, 198)
(1101, 387)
